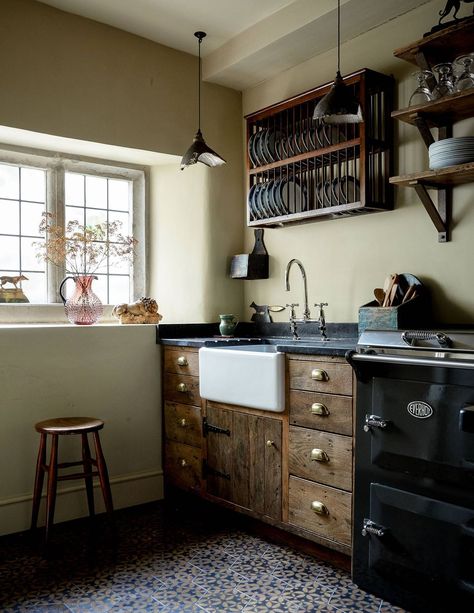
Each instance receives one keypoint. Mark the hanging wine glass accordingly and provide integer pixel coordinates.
(422, 93)
(465, 80)
(445, 84)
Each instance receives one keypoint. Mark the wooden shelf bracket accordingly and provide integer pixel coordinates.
(438, 214)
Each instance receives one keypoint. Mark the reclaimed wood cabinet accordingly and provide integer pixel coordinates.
(244, 454)
(291, 469)
(320, 448)
(442, 46)
(301, 170)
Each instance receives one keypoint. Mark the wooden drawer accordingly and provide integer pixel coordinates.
(321, 456)
(319, 376)
(183, 465)
(183, 423)
(333, 520)
(321, 411)
(181, 361)
(182, 389)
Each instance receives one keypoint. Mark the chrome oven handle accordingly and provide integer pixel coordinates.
(409, 361)
(410, 336)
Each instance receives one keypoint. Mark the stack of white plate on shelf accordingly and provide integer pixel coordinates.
(451, 151)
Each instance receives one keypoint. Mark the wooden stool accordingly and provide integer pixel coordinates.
(55, 428)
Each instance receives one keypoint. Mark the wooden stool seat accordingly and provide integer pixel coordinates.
(69, 425)
(54, 428)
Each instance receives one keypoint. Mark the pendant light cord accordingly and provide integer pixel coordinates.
(339, 35)
(199, 86)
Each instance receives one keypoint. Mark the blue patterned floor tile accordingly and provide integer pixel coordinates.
(185, 593)
(308, 594)
(274, 604)
(386, 607)
(215, 580)
(253, 567)
(207, 561)
(354, 600)
(262, 588)
(225, 601)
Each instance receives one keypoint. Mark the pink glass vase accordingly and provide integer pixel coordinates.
(83, 307)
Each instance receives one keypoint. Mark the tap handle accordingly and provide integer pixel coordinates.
(292, 307)
(321, 304)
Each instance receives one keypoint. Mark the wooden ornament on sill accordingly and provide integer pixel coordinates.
(251, 265)
(144, 311)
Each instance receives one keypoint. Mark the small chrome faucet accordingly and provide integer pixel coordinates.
(293, 326)
(322, 320)
(306, 313)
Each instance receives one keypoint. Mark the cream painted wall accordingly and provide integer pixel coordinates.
(72, 77)
(347, 258)
(110, 372)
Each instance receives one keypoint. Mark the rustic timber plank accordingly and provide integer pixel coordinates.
(183, 423)
(336, 411)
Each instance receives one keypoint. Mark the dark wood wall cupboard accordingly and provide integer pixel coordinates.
(300, 170)
(442, 46)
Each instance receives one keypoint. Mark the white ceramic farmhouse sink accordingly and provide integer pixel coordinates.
(247, 375)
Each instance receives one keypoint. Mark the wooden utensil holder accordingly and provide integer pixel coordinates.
(413, 314)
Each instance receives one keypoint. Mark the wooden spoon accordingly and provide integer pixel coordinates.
(388, 291)
(379, 295)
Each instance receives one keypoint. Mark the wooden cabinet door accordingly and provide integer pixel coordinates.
(244, 467)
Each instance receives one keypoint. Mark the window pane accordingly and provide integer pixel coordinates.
(119, 289)
(9, 181)
(100, 249)
(29, 261)
(96, 192)
(10, 253)
(31, 218)
(9, 217)
(99, 287)
(94, 217)
(74, 187)
(74, 213)
(33, 184)
(119, 194)
(123, 219)
(119, 266)
(35, 287)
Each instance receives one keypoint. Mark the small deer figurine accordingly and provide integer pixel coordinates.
(12, 280)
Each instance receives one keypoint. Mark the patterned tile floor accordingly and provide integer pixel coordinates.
(159, 559)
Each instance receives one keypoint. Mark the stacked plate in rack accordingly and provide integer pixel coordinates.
(451, 151)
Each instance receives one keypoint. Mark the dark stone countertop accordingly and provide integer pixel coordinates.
(342, 337)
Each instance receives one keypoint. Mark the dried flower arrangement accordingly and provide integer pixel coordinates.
(83, 249)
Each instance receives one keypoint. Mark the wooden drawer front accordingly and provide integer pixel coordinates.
(183, 423)
(183, 465)
(320, 509)
(326, 377)
(321, 456)
(321, 411)
(183, 362)
(182, 389)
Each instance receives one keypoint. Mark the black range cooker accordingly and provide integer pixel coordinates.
(413, 538)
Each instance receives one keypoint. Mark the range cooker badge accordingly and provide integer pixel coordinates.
(420, 409)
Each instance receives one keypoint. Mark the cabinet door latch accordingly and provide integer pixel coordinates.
(370, 527)
(207, 427)
(207, 470)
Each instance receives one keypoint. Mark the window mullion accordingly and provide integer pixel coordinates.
(55, 206)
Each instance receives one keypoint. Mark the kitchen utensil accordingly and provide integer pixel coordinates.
(410, 293)
(262, 312)
(393, 295)
(379, 295)
(388, 285)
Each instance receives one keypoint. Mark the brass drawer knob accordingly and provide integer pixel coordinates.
(270, 443)
(318, 408)
(182, 361)
(182, 387)
(319, 375)
(319, 507)
(183, 423)
(183, 463)
(318, 455)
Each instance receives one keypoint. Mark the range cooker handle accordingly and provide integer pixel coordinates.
(408, 361)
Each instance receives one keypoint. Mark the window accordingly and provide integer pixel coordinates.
(88, 192)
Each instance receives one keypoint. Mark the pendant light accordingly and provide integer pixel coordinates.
(339, 105)
(199, 151)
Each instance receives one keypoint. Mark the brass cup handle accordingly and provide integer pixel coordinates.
(183, 463)
(317, 374)
(318, 455)
(270, 443)
(183, 423)
(182, 361)
(318, 408)
(319, 507)
(182, 387)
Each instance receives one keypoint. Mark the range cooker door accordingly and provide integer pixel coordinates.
(420, 550)
(427, 430)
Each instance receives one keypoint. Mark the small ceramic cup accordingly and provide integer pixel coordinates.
(227, 324)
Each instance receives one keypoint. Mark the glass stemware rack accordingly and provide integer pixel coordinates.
(443, 45)
(301, 170)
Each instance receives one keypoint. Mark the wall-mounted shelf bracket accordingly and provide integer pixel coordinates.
(423, 129)
(438, 214)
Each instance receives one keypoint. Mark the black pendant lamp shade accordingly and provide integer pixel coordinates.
(339, 105)
(199, 151)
